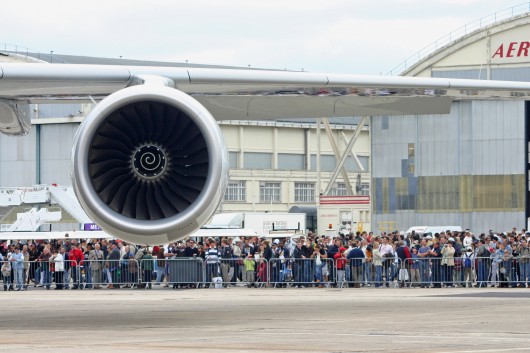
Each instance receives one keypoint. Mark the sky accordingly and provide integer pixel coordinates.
(341, 36)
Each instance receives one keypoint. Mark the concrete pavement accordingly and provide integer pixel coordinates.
(261, 320)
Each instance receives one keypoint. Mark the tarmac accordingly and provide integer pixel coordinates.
(266, 320)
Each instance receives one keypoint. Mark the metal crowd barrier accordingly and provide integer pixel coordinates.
(502, 271)
(301, 272)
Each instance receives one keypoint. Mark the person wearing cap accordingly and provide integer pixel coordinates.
(340, 260)
(468, 264)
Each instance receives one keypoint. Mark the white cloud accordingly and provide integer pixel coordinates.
(338, 35)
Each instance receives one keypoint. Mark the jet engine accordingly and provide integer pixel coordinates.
(149, 164)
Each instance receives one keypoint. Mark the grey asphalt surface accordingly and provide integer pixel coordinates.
(266, 320)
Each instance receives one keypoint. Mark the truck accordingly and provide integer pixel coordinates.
(263, 224)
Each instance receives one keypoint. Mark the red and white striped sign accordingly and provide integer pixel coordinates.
(344, 200)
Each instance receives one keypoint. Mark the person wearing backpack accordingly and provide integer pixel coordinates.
(467, 263)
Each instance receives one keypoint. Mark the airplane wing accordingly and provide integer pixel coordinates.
(245, 94)
(149, 162)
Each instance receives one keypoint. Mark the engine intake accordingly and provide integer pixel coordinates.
(149, 164)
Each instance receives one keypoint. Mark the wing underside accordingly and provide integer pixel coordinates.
(245, 94)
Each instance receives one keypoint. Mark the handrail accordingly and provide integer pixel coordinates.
(457, 34)
(25, 53)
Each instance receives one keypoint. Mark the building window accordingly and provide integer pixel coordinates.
(304, 192)
(290, 161)
(232, 159)
(365, 189)
(257, 160)
(236, 191)
(269, 192)
(339, 189)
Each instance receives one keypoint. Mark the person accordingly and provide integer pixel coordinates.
(58, 259)
(319, 255)
(524, 263)
(332, 251)
(112, 264)
(468, 261)
(387, 252)
(147, 266)
(403, 254)
(250, 268)
(26, 256)
(96, 258)
(76, 256)
(6, 275)
(415, 278)
(423, 255)
(340, 263)
(212, 262)
(483, 257)
(299, 256)
(378, 265)
(448, 263)
(17, 264)
(368, 260)
(505, 270)
(86, 281)
(44, 260)
(436, 256)
(32, 273)
(226, 262)
(161, 265)
(355, 258)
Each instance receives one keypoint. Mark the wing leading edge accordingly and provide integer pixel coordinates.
(246, 94)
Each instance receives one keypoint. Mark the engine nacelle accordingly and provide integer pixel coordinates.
(149, 164)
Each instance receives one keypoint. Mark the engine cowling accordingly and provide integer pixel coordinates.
(149, 164)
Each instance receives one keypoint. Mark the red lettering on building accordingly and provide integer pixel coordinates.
(515, 49)
(523, 47)
(499, 52)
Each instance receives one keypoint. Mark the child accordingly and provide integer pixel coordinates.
(250, 267)
(6, 274)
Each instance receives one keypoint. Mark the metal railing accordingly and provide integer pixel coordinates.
(29, 54)
(433, 272)
(457, 34)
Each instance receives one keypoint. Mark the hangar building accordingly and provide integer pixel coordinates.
(468, 168)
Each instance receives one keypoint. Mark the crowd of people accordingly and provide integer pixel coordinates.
(445, 259)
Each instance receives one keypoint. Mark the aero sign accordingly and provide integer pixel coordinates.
(512, 50)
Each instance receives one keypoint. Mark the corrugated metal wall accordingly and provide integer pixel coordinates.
(465, 168)
(18, 166)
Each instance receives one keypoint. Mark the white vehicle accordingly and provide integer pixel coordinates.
(431, 230)
(262, 224)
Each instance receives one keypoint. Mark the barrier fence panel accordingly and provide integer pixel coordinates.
(177, 271)
(235, 271)
(501, 270)
(301, 272)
